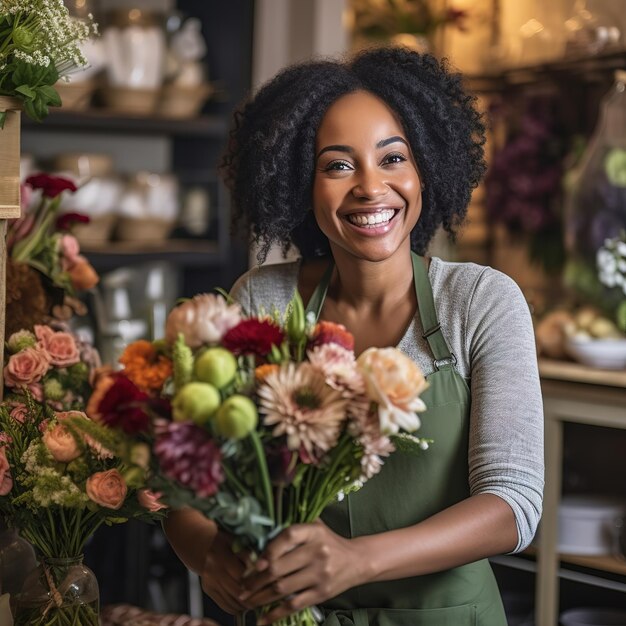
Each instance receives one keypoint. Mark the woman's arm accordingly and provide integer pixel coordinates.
(208, 552)
(191, 535)
(308, 564)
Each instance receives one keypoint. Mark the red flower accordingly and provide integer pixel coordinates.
(118, 403)
(329, 332)
(66, 221)
(51, 186)
(253, 336)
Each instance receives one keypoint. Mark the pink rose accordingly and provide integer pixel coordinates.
(70, 250)
(203, 320)
(19, 412)
(26, 367)
(6, 482)
(150, 500)
(61, 346)
(107, 489)
(36, 390)
(61, 444)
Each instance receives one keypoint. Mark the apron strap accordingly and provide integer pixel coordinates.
(319, 295)
(426, 306)
(428, 314)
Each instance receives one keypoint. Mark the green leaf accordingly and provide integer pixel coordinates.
(3, 117)
(26, 91)
(51, 95)
(30, 110)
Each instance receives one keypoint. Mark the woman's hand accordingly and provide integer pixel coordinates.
(222, 574)
(305, 565)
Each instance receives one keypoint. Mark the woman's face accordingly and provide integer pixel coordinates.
(367, 191)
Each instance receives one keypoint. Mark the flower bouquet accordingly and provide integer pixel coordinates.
(39, 43)
(45, 270)
(259, 422)
(59, 479)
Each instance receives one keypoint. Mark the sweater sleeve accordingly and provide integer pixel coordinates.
(506, 422)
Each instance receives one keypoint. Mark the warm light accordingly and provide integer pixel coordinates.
(134, 15)
(532, 27)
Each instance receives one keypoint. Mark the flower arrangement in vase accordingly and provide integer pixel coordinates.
(259, 422)
(59, 479)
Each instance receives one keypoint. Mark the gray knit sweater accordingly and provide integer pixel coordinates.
(487, 325)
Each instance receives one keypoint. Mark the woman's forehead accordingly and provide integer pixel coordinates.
(358, 116)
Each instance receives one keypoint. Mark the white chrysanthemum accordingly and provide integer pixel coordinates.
(203, 320)
(298, 403)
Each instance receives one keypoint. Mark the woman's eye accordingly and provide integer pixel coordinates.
(338, 166)
(394, 158)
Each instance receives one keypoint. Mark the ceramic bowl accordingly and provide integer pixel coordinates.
(607, 354)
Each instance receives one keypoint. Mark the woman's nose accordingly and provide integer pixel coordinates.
(370, 185)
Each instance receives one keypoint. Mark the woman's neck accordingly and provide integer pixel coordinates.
(372, 287)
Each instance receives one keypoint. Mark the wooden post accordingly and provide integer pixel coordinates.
(9, 199)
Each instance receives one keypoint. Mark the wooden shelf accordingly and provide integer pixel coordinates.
(575, 372)
(586, 67)
(106, 121)
(191, 253)
(605, 563)
(609, 564)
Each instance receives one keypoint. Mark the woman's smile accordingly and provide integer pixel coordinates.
(372, 222)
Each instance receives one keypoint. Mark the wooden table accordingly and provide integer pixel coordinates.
(571, 393)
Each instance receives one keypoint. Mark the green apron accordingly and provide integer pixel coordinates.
(411, 488)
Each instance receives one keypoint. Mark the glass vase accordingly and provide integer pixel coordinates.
(596, 197)
(60, 592)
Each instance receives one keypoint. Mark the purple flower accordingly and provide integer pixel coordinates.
(187, 454)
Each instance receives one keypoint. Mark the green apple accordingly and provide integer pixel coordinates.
(216, 366)
(236, 418)
(195, 401)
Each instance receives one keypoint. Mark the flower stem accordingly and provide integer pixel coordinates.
(265, 475)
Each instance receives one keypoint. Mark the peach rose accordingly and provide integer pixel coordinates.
(61, 346)
(150, 500)
(203, 320)
(26, 367)
(394, 382)
(6, 482)
(107, 489)
(61, 443)
(82, 274)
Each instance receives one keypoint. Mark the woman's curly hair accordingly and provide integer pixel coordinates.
(269, 165)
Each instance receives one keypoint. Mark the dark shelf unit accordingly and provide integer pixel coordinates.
(106, 121)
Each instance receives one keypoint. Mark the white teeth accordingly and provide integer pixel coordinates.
(380, 217)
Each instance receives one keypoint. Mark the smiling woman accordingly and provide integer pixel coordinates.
(357, 164)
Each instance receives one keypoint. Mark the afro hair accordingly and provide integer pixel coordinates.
(269, 165)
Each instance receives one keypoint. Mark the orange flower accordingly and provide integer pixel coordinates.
(262, 371)
(144, 366)
(82, 274)
(101, 385)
